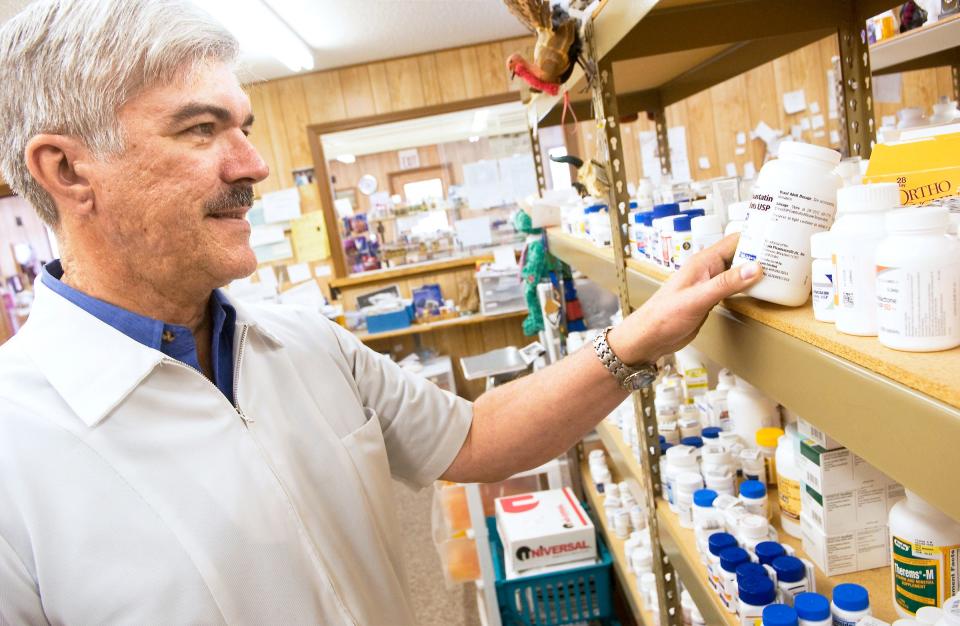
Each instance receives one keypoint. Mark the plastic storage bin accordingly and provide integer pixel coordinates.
(395, 320)
(500, 291)
(574, 595)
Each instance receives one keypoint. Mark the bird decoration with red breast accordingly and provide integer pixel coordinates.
(557, 49)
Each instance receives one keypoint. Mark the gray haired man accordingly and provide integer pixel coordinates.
(171, 456)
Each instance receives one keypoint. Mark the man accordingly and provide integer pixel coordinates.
(168, 455)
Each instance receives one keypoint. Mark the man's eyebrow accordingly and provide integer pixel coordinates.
(195, 109)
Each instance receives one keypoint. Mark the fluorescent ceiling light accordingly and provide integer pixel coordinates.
(480, 120)
(473, 138)
(347, 159)
(260, 31)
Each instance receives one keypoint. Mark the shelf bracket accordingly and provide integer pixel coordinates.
(611, 155)
(856, 85)
(534, 134)
(659, 116)
(955, 75)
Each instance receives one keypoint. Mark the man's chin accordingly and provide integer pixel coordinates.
(239, 264)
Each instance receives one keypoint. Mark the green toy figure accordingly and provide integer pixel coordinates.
(536, 264)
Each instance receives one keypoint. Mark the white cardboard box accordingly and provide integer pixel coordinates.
(852, 509)
(544, 528)
(809, 431)
(845, 552)
(513, 574)
(833, 471)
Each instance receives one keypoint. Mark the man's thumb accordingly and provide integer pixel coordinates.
(731, 281)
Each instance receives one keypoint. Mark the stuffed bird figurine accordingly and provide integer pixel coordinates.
(557, 49)
(591, 176)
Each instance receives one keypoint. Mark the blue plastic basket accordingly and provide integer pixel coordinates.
(573, 595)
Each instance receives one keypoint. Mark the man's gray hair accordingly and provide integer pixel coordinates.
(68, 66)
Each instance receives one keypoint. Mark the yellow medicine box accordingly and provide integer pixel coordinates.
(925, 168)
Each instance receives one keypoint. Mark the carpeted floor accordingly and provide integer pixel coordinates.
(433, 604)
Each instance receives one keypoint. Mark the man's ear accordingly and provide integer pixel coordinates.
(58, 163)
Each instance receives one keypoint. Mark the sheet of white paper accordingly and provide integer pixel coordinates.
(481, 182)
(818, 134)
(834, 137)
(731, 169)
(817, 121)
(814, 107)
(832, 96)
(741, 138)
(889, 120)
(749, 170)
(344, 207)
(299, 272)
(794, 101)
(277, 251)
(648, 156)
(474, 232)
(805, 123)
(887, 88)
(796, 131)
(703, 163)
(740, 151)
(281, 206)
(504, 256)
(765, 133)
(267, 276)
(518, 177)
(322, 270)
(679, 164)
(307, 295)
(263, 235)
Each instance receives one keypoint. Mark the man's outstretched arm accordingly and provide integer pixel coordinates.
(529, 421)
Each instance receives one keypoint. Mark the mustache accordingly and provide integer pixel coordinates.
(233, 198)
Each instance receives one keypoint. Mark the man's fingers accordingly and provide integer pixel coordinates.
(729, 282)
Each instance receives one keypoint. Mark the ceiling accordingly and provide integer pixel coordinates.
(501, 119)
(359, 31)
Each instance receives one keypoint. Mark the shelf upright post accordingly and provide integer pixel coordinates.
(663, 142)
(955, 75)
(855, 81)
(534, 133)
(611, 155)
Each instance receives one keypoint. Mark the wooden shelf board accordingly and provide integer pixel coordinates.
(877, 581)
(914, 45)
(465, 320)
(404, 271)
(628, 581)
(889, 407)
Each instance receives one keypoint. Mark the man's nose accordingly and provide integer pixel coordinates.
(244, 163)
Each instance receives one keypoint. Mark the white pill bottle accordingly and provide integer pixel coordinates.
(918, 279)
(794, 197)
(926, 553)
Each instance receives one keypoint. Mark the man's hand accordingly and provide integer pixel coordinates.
(671, 318)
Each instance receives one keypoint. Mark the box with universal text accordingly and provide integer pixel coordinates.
(845, 552)
(924, 167)
(544, 528)
(833, 471)
(809, 431)
(848, 510)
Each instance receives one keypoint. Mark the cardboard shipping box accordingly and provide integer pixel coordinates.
(544, 528)
(926, 168)
(842, 511)
(848, 551)
(834, 471)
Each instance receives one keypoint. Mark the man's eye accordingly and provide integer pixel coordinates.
(206, 128)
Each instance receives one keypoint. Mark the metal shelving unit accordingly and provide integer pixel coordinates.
(929, 46)
(645, 61)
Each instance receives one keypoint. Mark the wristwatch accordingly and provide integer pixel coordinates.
(629, 378)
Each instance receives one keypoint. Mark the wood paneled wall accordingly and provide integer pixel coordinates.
(712, 118)
(285, 107)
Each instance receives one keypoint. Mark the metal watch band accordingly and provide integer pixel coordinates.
(628, 378)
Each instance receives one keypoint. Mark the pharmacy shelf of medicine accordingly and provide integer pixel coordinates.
(428, 327)
(679, 543)
(928, 46)
(894, 409)
(628, 581)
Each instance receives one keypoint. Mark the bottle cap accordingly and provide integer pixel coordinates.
(767, 551)
(706, 225)
(633, 204)
(747, 570)
(730, 558)
(780, 615)
(797, 148)
(756, 590)
(718, 542)
(754, 526)
(662, 440)
(737, 211)
(695, 212)
(676, 454)
(811, 606)
(639, 216)
(851, 597)
(689, 481)
(821, 245)
(872, 198)
(704, 497)
(664, 446)
(711, 432)
(752, 489)
(768, 437)
(789, 569)
(929, 614)
(917, 219)
(682, 223)
(663, 210)
(695, 442)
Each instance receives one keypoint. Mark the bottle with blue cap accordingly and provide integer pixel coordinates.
(717, 543)
(660, 235)
(767, 551)
(705, 520)
(813, 609)
(754, 593)
(638, 239)
(682, 239)
(753, 495)
(730, 559)
(793, 576)
(851, 603)
(780, 615)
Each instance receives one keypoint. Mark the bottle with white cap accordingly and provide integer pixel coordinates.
(822, 273)
(750, 411)
(951, 612)
(918, 270)
(686, 484)
(707, 230)
(680, 458)
(736, 217)
(861, 211)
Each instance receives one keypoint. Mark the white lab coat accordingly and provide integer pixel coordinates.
(132, 492)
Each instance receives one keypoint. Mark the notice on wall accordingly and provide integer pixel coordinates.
(518, 177)
(309, 234)
(475, 231)
(481, 183)
(409, 159)
(817, 122)
(887, 88)
(814, 107)
(274, 251)
(281, 206)
(740, 151)
(703, 163)
(648, 156)
(833, 95)
(834, 137)
(731, 169)
(299, 272)
(741, 138)
(749, 170)
(679, 164)
(794, 101)
(263, 235)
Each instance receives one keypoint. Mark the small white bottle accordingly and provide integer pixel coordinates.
(767, 439)
(641, 560)
(780, 615)
(754, 594)
(812, 609)
(859, 228)
(752, 466)
(751, 530)
(687, 483)
(788, 486)
(951, 612)
(707, 230)
(926, 551)
(750, 411)
(716, 544)
(682, 241)
(680, 459)
(917, 279)
(736, 217)
(822, 272)
(730, 559)
(793, 576)
(851, 602)
(929, 615)
(753, 495)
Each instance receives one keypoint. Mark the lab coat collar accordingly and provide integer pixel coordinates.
(92, 365)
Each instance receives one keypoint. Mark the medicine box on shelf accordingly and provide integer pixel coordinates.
(501, 291)
(845, 552)
(832, 471)
(850, 510)
(822, 439)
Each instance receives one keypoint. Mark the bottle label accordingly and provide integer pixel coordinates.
(789, 497)
(923, 574)
(777, 232)
(823, 291)
(922, 303)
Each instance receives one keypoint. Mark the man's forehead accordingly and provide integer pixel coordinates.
(206, 86)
